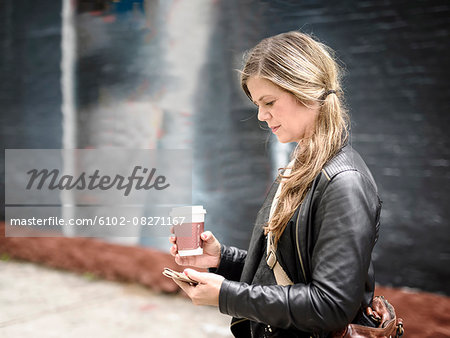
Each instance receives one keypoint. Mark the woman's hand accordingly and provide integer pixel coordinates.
(206, 292)
(211, 252)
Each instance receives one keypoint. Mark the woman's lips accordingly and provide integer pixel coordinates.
(274, 129)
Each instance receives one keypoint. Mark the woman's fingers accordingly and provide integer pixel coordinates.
(185, 260)
(206, 236)
(172, 239)
(179, 260)
(173, 250)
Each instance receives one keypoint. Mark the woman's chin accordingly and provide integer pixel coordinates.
(284, 140)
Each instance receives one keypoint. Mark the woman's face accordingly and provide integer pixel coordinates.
(288, 119)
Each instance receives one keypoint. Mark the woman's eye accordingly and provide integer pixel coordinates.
(270, 103)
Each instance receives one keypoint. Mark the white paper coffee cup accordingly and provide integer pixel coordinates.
(189, 223)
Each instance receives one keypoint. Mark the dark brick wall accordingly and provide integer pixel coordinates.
(30, 94)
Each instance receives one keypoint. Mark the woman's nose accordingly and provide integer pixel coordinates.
(263, 114)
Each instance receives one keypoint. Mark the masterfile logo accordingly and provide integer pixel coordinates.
(54, 180)
(98, 176)
(95, 192)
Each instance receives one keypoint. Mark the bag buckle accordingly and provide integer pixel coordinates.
(400, 329)
(373, 315)
(271, 259)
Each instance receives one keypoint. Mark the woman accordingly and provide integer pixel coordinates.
(308, 270)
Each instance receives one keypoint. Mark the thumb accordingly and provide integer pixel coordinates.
(207, 236)
(194, 274)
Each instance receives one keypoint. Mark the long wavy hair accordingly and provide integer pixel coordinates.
(306, 68)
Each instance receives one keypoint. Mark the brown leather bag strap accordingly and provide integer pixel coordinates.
(271, 259)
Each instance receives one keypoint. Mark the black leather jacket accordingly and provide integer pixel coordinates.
(326, 250)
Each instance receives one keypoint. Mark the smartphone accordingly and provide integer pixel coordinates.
(178, 276)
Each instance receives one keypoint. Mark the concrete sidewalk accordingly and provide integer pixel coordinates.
(36, 301)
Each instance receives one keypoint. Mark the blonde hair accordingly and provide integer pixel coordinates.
(307, 69)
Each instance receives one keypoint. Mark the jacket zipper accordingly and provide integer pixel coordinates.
(298, 246)
(239, 321)
(314, 335)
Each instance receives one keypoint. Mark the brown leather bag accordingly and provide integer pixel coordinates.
(383, 313)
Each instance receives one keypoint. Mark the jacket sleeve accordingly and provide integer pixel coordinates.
(345, 218)
(231, 262)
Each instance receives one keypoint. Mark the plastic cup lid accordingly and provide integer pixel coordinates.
(190, 209)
